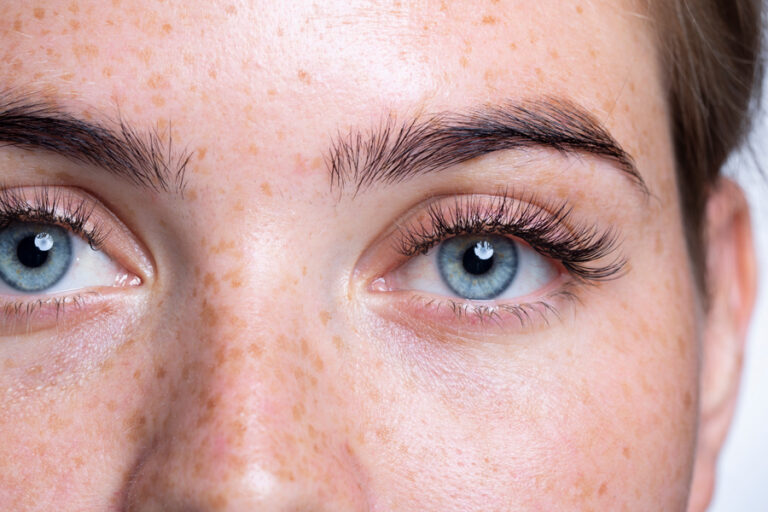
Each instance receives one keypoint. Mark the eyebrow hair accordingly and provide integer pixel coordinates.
(392, 152)
(147, 160)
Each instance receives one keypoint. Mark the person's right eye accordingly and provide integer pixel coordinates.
(59, 247)
(46, 258)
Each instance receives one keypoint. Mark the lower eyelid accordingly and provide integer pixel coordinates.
(448, 319)
(24, 315)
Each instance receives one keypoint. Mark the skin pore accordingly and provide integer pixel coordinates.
(271, 357)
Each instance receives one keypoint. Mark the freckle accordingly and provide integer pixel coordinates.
(210, 282)
(318, 364)
(579, 9)
(265, 189)
(17, 25)
(158, 100)
(304, 270)
(603, 488)
(135, 425)
(238, 207)
(224, 246)
(304, 77)
(325, 316)
(137, 374)
(208, 315)
(74, 24)
(167, 28)
(512, 46)
(107, 366)
(191, 195)
(160, 374)
(463, 61)
(255, 350)
(39, 13)
(230, 9)
(298, 411)
(86, 50)
(626, 452)
(338, 342)
(489, 20)
(553, 53)
(212, 73)
(34, 370)
(304, 347)
(106, 72)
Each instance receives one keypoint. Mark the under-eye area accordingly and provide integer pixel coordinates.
(511, 260)
(60, 251)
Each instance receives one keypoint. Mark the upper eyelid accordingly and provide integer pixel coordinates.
(534, 220)
(79, 207)
(73, 213)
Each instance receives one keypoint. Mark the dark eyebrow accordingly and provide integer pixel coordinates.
(394, 152)
(147, 160)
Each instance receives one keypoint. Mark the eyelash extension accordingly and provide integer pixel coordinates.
(545, 228)
(51, 206)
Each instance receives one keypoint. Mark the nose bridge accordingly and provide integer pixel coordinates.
(251, 420)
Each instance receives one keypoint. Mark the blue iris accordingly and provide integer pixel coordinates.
(34, 257)
(478, 267)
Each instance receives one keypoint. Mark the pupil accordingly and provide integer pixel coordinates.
(474, 264)
(28, 253)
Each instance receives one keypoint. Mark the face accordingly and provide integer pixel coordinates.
(342, 257)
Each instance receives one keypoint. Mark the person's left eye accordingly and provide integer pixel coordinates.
(477, 268)
(37, 258)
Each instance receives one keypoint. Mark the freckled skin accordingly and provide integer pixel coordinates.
(251, 381)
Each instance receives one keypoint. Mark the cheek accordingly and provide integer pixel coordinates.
(584, 417)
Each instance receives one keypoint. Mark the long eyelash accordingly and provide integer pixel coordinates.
(547, 228)
(51, 207)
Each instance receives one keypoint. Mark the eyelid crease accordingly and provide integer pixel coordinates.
(545, 226)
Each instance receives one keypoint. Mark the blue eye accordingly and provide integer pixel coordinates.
(34, 257)
(478, 267)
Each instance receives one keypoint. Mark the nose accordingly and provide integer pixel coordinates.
(249, 418)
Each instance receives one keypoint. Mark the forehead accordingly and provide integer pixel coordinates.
(282, 78)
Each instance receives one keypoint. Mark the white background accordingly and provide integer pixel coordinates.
(742, 484)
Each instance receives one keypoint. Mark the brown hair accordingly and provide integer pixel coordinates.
(711, 54)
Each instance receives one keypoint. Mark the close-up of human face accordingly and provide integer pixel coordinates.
(353, 256)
